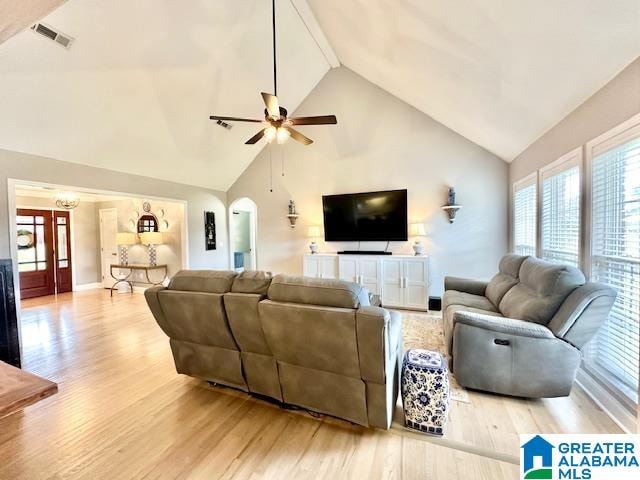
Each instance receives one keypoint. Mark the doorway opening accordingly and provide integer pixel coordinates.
(63, 246)
(242, 234)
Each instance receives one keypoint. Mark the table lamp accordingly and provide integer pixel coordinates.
(124, 239)
(417, 230)
(151, 239)
(313, 232)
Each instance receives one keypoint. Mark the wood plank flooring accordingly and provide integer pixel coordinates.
(122, 412)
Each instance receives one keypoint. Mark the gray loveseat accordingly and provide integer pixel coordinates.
(521, 333)
(303, 341)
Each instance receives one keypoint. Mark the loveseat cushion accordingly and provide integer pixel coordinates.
(505, 279)
(317, 291)
(542, 289)
(209, 281)
(454, 297)
(252, 282)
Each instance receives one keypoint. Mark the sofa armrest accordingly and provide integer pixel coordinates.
(474, 287)
(151, 295)
(510, 326)
(379, 332)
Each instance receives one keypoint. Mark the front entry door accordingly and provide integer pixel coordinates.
(35, 253)
(62, 241)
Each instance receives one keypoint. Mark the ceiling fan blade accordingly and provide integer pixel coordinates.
(271, 102)
(235, 119)
(317, 120)
(298, 137)
(255, 138)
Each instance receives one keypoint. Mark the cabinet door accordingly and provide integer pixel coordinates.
(348, 268)
(311, 266)
(329, 267)
(392, 291)
(416, 283)
(369, 271)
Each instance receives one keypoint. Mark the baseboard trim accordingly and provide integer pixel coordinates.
(612, 407)
(87, 286)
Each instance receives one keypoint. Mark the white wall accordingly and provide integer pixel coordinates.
(242, 232)
(86, 237)
(380, 143)
(34, 168)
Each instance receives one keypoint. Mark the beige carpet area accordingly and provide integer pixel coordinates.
(425, 330)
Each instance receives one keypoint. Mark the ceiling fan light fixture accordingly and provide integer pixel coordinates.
(276, 124)
(282, 135)
(270, 133)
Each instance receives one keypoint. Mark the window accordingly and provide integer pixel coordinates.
(615, 256)
(524, 216)
(560, 210)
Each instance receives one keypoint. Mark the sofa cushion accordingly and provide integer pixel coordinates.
(317, 291)
(209, 281)
(252, 282)
(542, 289)
(454, 297)
(505, 279)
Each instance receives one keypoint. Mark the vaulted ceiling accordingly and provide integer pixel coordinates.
(499, 72)
(135, 90)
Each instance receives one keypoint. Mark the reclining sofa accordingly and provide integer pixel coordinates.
(308, 342)
(521, 333)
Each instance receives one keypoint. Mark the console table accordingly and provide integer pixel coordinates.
(135, 268)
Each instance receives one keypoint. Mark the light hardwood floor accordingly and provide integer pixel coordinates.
(123, 412)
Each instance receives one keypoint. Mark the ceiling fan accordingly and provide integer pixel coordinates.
(276, 124)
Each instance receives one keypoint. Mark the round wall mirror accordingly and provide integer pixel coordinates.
(147, 223)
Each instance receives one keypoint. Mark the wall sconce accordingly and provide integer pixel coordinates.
(451, 208)
(292, 215)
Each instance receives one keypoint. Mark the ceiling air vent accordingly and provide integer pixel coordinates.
(53, 34)
(223, 124)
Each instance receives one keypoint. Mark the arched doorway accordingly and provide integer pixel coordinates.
(243, 225)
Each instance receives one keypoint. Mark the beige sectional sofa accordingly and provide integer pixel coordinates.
(309, 342)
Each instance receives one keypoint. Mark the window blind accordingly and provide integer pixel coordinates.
(615, 260)
(524, 217)
(560, 214)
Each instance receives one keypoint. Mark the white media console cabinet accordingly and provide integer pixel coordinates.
(402, 281)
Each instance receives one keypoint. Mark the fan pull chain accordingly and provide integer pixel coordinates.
(270, 170)
(282, 157)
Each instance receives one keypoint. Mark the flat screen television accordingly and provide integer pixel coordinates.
(372, 216)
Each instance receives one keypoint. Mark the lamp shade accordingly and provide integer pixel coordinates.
(417, 230)
(314, 232)
(126, 238)
(151, 238)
